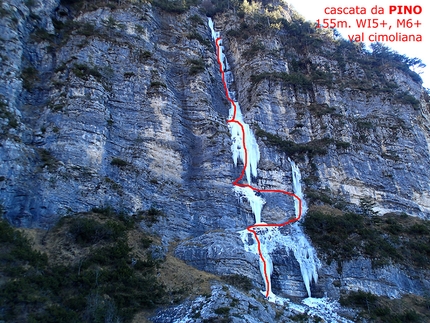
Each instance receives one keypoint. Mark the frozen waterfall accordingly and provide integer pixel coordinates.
(245, 148)
(237, 148)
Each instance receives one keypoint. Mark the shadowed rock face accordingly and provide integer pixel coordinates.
(118, 119)
(126, 108)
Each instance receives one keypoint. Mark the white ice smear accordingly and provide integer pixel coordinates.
(302, 249)
(305, 255)
(270, 237)
(296, 242)
(237, 148)
(297, 187)
(255, 201)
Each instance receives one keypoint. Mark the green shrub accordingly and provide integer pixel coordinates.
(111, 23)
(87, 29)
(320, 109)
(312, 148)
(197, 66)
(234, 33)
(47, 159)
(197, 36)
(83, 71)
(89, 231)
(239, 281)
(410, 316)
(383, 239)
(15, 249)
(318, 195)
(213, 7)
(29, 76)
(157, 84)
(63, 30)
(61, 68)
(30, 3)
(105, 210)
(146, 242)
(377, 308)
(109, 255)
(342, 145)
(3, 12)
(118, 162)
(143, 55)
(153, 214)
(359, 299)
(129, 74)
(222, 310)
(174, 6)
(56, 314)
(364, 124)
(42, 35)
(407, 98)
(195, 19)
(255, 48)
(103, 286)
(367, 205)
(420, 229)
(139, 29)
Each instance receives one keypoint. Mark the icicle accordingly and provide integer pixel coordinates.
(254, 199)
(215, 35)
(297, 187)
(253, 153)
(304, 253)
(237, 149)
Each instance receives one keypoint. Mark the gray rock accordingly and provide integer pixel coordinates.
(119, 118)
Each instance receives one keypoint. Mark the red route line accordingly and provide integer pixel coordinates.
(242, 174)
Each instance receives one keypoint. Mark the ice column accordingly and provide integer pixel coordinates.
(297, 187)
(303, 251)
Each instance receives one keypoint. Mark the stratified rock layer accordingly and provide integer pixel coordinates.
(125, 108)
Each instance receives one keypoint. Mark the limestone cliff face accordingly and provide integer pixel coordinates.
(376, 145)
(124, 107)
(115, 115)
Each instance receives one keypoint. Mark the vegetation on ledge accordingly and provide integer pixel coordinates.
(315, 147)
(383, 310)
(391, 238)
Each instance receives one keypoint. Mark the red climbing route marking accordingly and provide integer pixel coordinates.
(251, 228)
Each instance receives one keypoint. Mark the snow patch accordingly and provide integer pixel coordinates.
(325, 308)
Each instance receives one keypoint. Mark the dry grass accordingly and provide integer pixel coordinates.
(326, 209)
(59, 244)
(177, 275)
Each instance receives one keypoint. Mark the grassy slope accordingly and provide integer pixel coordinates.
(82, 271)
